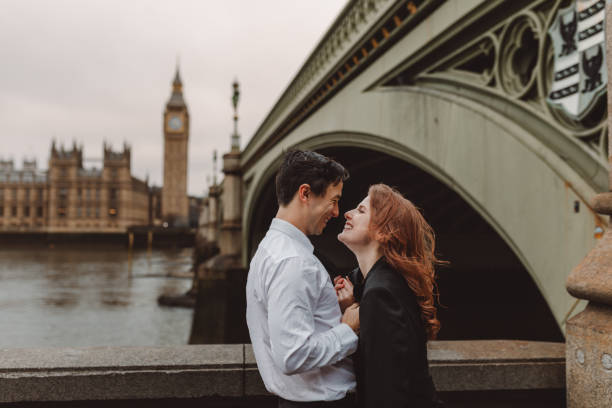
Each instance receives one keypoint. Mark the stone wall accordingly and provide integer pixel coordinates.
(504, 369)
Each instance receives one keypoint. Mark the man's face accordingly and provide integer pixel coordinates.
(323, 208)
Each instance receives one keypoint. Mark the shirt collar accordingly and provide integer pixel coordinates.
(294, 232)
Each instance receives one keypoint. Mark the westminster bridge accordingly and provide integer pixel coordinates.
(461, 105)
(449, 101)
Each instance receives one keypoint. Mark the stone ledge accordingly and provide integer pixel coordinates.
(115, 373)
(487, 365)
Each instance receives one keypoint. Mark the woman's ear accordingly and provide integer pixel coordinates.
(378, 237)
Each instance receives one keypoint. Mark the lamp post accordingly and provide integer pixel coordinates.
(235, 142)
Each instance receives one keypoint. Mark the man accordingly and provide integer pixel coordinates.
(300, 338)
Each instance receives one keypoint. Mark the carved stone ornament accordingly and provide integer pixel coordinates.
(580, 74)
(519, 48)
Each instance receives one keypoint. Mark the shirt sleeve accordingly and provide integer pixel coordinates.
(388, 350)
(293, 293)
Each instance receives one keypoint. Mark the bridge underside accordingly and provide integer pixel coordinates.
(485, 292)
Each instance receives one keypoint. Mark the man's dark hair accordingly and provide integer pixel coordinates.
(306, 167)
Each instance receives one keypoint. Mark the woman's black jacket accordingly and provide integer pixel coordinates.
(391, 361)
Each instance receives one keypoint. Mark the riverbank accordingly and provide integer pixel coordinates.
(136, 237)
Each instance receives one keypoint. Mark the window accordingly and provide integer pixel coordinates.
(97, 212)
(113, 194)
(14, 193)
(158, 210)
(39, 211)
(97, 193)
(1, 211)
(88, 212)
(62, 195)
(63, 172)
(114, 173)
(39, 194)
(14, 211)
(79, 213)
(87, 193)
(1, 194)
(26, 211)
(27, 193)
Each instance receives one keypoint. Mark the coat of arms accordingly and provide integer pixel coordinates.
(580, 73)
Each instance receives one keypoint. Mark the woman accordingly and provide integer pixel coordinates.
(394, 286)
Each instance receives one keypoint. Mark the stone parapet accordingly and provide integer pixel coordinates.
(589, 348)
(106, 373)
(230, 371)
(495, 365)
(591, 279)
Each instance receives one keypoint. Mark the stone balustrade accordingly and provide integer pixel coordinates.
(185, 373)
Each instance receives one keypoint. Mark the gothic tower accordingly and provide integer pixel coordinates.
(175, 206)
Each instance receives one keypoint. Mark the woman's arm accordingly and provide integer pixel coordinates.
(388, 350)
(344, 291)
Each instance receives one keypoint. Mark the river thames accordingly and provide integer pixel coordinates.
(68, 297)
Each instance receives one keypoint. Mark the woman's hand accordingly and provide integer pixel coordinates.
(344, 291)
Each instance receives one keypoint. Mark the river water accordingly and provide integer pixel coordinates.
(68, 297)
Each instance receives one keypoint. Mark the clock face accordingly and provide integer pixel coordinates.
(175, 123)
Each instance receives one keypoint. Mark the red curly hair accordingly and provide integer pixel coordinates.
(407, 242)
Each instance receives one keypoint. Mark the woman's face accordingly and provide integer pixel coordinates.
(356, 228)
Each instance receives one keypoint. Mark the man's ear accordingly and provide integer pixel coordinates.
(304, 192)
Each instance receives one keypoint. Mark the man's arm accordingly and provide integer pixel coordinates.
(292, 293)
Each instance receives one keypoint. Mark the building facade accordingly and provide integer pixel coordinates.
(24, 197)
(71, 198)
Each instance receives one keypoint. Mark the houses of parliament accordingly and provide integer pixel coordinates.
(70, 198)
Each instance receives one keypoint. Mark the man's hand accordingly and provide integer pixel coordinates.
(351, 317)
(344, 291)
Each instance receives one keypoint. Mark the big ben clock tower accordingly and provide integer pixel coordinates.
(175, 205)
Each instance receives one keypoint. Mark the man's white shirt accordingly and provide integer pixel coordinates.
(294, 320)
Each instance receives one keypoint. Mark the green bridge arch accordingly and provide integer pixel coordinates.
(519, 185)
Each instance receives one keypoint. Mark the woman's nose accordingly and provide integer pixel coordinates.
(347, 215)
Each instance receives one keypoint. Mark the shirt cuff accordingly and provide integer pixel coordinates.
(347, 338)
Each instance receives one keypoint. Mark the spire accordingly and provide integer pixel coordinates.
(176, 99)
(177, 78)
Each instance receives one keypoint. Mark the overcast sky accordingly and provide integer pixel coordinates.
(91, 71)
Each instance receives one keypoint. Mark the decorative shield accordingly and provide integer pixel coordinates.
(580, 73)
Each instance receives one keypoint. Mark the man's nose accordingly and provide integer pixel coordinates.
(336, 211)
